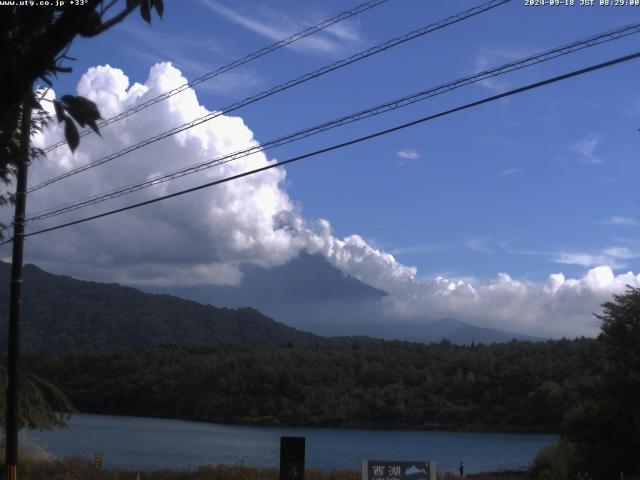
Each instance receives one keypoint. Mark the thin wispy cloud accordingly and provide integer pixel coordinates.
(269, 31)
(228, 83)
(621, 221)
(632, 107)
(494, 57)
(508, 172)
(407, 155)
(581, 259)
(424, 248)
(276, 26)
(185, 53)
(348, 31)
(586, 149)
(231, 83)
(615, 257)
(480, 245)
(620, 253)
(172, 45)
(483, 245)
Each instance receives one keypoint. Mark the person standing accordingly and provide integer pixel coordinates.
(461, 469)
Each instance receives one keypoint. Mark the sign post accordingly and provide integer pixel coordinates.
(291, 458)
(398, 470)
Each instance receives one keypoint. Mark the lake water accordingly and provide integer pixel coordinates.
(135, 442)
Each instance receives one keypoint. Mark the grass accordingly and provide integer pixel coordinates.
(81, 469)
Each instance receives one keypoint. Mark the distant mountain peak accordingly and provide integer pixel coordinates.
(309, 276)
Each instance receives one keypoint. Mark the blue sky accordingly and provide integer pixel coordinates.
(517, 185)
(536, 184)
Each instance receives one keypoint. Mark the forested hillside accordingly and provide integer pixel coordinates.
(61, 313)
(517, 386)
(64, 314)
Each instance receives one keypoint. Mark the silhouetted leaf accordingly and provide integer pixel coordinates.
(159, 6)
(94, 126)
(86, 107)
(71, 134)
(83, 111)
(132, 3)
(145, 11)
(59, 111)
(78, 118)
(35, 104)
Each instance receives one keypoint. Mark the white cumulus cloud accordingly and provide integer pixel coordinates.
(199, 238)
(558, 307)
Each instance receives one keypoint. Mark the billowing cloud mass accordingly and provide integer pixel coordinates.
(206, 236)
(559, 307)
(195, 239)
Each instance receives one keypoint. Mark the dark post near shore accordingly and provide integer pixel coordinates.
(292, 458)
(15, 301)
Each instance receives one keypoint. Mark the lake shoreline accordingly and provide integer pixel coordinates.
(152, 443)
(271, 422)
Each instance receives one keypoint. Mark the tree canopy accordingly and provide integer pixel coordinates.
(42, 405)
(515, 386)
(34, 43)
(606, 428)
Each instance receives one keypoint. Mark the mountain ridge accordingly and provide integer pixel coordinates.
(61, 313)
(311, 294)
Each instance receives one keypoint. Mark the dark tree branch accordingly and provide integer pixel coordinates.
(106, 8)
(113, 21)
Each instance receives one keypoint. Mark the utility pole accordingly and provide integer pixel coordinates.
(15, 302)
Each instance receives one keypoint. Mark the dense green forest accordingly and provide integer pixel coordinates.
(518, 386)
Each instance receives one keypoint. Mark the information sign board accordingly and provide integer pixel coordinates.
(398, 470)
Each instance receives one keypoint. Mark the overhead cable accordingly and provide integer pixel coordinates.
(236, 63)
(364, 138)
(377, 110)
(279, 88)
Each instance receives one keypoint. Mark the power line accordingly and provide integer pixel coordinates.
(236, 63)
(371, 136)
(377, 110)
(279, 88)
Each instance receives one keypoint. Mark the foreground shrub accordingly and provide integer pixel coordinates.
(555, 462)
